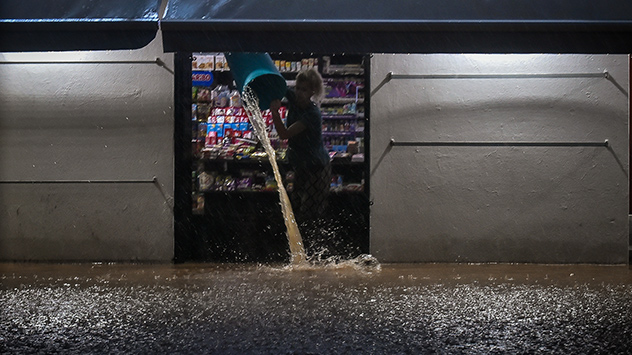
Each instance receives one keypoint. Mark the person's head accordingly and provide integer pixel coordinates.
(309, 84)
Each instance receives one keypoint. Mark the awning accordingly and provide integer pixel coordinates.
(46, 25)
(413, 26)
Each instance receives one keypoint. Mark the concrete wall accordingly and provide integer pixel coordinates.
(499, 204)
(98, 116)
(86, 116)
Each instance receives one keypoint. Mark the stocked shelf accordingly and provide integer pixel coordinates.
(340, 133)
(275, 193)
(266, 162)
(329, 67)
(227, 157)
(343, 72)
(235, 214)
(342, 117)
(341, 100)
(247, 186)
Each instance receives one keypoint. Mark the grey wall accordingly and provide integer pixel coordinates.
(499, 204)
(114, 121)
(86, 116)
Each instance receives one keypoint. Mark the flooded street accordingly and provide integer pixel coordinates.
(254, 309)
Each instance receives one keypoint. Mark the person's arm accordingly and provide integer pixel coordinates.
(284, 132)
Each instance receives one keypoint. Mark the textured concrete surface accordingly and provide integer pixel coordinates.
(528, 204)
(87, 116)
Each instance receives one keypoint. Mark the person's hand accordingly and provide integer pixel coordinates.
(275, 105)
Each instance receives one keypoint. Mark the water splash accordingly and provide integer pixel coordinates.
(299, 259)
(362, 264)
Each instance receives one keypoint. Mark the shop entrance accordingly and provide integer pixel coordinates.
(227, 205)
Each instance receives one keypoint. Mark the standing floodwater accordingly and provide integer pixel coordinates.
(250, 309)
(251, 104)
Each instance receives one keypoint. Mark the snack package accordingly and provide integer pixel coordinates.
(211, 137)
(244, 183)
(230, 184)
(203, 111)
(220, 63)
(235, 99)
(201, 131)
(203, 62)
(204, 95)
(205, 181)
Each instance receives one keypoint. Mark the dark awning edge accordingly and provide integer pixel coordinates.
(65, 36)
(599, 37)
(69, 25)
(393, 26)
(79, 24)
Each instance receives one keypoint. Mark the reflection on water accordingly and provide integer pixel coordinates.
(339, 307)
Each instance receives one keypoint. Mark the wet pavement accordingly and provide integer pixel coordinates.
(343, 309)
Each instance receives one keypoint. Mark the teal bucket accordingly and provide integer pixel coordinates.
(258, 71)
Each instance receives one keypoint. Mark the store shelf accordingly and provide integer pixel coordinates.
(247, 224)
(335, 161)
(243, 161)
(338, 134)
(341, 117)
(341, 100)
(272, 193)
(241, 192)
(344, 72)
(347, 162)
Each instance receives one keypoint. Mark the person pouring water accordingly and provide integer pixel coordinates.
(306, 150)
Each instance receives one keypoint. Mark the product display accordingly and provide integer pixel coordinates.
(235, 211)
(228, 156)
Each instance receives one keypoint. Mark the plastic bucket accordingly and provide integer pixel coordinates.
(258, 71)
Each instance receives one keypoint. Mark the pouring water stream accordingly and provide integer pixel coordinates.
(251, 104)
